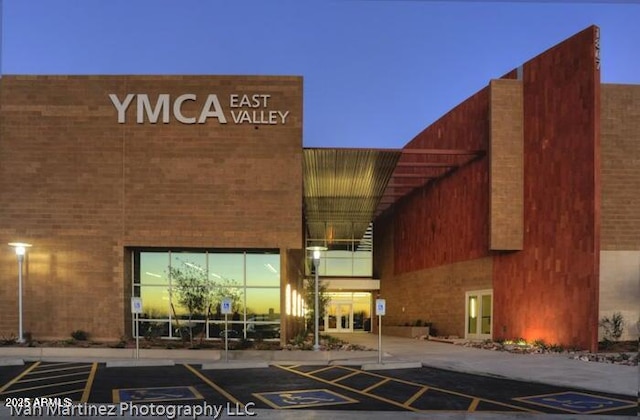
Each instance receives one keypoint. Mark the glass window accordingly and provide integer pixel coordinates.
(165, 280)
(263, 270)
(155, 302)
(264, 303)
(226, 269)
(153, 268)
(189, 262)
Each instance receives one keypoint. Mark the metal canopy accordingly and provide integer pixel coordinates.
(345, 189)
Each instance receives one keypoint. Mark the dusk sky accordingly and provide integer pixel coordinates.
(375, 72)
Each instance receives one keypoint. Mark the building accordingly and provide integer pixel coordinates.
(514, 215)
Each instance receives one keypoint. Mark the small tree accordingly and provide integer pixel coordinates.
(310, 303)
(613, 326)
(192, 289)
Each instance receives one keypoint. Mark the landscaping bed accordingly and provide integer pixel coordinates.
(619, 353)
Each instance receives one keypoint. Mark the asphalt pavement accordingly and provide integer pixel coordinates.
(547, 370)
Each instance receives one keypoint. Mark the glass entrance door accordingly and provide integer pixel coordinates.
(339, 317)
(478, 313)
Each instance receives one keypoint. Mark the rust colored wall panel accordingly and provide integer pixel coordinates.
(447, 220)
(550, 289)
(506, 169)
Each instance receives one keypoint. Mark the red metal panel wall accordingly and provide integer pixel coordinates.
(447, 221)
(550, 289)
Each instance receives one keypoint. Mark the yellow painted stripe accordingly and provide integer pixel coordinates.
(447, 391)
(89, 384)
(39, 371)
(44, 378)
(313, 372)
(214, 386)
(116, 396)
(44, 386)
(348, 375)
(17, 378)
(374, 386)
(357, 391)
(59, 394)
(473, 405)
(416, 395)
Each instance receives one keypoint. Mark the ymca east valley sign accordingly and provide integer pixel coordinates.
(242, 109)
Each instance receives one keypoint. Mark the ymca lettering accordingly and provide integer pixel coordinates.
(245, 109)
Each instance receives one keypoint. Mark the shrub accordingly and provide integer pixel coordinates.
(540, 343)
(613, 326)
(7, 341)
(80, 335)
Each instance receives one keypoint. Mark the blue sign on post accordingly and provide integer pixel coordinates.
(577, 402)
(381, 307)
(225, 306)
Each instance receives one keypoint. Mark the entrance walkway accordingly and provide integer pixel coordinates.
(553, 369)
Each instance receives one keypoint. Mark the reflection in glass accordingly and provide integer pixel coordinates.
(223, 276)
(263, 270)
(155, 302)
(153, 268)
(263, 302)
(486, 314)
(226, 268)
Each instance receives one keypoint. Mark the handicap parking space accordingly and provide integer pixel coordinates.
(64, 380)
(501, 394)
(302, 387)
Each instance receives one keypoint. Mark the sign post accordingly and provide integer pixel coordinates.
(136, 309)
(225, 308)
(381, 307)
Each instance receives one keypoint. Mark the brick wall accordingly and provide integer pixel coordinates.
(446, 221)
(620, 240)
(435, 295)
(506, 169)
(549, 290)
(82, 187)
(620, 167)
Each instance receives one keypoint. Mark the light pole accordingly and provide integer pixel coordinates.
(20, 249)
(316, 315)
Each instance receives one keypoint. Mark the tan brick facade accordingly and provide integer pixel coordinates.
(82, 187)
(435, 295)
(506, 168)
(620, 167)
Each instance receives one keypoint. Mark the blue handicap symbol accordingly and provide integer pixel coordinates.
(306, 398)
(158, 394)
(577, 402)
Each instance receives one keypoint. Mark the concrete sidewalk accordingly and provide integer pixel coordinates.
(552, 369)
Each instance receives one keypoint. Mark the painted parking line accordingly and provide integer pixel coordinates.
(156, 394)
(17, 378)
(420, 395)
(578, 402)
(53, 380)
(216, 387)
(303, 398)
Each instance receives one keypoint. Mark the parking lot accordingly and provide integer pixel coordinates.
(299, 387)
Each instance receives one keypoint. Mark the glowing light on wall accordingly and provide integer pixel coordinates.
(300, 313)
(472, 309)
(287, 304)
(294, 303)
